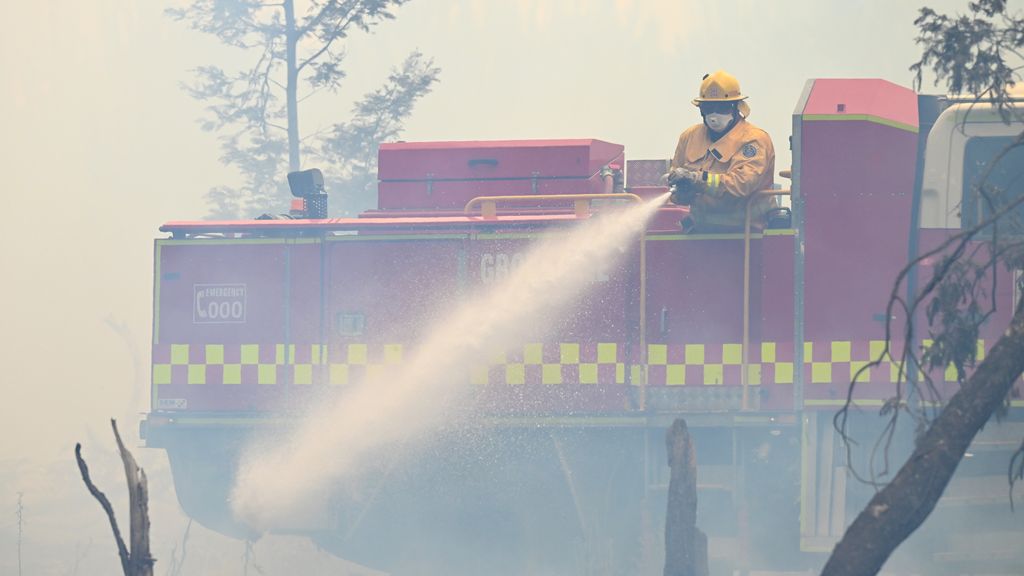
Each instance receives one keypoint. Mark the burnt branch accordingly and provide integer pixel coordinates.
(135, 561)
(138, 503)
(122, 550)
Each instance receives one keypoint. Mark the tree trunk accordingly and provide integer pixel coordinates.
(904, 504)
(137, 561)
(292, 86)
(141, 561)
(685, 545)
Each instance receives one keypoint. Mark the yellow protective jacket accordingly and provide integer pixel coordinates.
(740, 163)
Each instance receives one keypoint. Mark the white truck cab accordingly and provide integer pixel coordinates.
(964, 139)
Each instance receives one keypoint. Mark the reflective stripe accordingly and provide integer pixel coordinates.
(554, 363)
(214, 353)
(713, 181)
(196, 374)
(679, 365)
(161, 374)
(833, 363)
(357, 354)
(232, 374)
(338, 374)
(265, 364)
(307, 364)
(826, 363)
(266, 374)
(303, 374)
(551, 374)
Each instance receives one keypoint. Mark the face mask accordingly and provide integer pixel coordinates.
(718, 122)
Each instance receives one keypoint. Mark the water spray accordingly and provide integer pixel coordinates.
(282, 481)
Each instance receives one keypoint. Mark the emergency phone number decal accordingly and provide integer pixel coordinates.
(218, 303)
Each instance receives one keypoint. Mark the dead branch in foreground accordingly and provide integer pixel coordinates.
(137, 561)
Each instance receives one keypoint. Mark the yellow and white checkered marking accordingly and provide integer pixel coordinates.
(829, 363)
(713, 373)
(500, 370)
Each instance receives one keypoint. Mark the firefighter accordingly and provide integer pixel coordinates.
(721, 162)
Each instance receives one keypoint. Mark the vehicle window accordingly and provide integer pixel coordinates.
(1005, 182)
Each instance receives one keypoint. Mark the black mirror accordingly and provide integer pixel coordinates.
(307, 183)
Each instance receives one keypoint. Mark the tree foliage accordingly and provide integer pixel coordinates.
(256, 110)
(351, 147)
(972, 53)
(977, 55)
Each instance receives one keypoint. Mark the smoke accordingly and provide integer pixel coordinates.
(283, 481)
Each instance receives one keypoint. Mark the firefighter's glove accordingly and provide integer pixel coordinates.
(680, 174)
(683, 193)
(686, 184)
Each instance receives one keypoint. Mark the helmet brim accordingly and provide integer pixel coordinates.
(697, 101)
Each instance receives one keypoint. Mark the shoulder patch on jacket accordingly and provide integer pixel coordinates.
(749, 150)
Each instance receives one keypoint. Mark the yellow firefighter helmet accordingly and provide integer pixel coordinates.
(722, 87)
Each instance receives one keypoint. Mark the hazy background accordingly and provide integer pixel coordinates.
(99, 146)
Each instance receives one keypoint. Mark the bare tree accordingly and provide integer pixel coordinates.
(136, 560)
(257, 110)
(971, 54)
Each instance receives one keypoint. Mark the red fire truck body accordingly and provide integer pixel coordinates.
(753, 338)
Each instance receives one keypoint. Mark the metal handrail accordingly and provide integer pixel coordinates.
(744, 375)
(581, 202)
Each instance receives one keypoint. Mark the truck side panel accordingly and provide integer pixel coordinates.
(857, 152)
(221, 321)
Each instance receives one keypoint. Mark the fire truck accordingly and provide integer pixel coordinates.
(753, 337)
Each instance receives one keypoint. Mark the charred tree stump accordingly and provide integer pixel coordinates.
(137, 560)
(686, 547)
